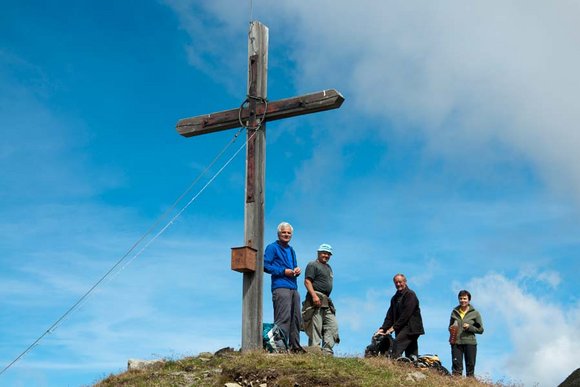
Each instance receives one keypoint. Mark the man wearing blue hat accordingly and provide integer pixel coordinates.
(318, 313)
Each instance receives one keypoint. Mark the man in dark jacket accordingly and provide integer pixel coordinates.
(403, 318)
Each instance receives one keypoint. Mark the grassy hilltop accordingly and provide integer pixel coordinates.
(260, 369)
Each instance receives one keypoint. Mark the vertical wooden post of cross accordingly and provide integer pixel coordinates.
(255, 182)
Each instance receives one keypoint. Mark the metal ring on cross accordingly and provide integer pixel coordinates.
(243, 106)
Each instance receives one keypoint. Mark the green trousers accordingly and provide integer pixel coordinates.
(323, 330)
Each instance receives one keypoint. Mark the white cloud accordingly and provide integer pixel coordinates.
(467, 76)
(552, 278)
(532, 273)
(542, 331)
(206, 47)
(356, 313)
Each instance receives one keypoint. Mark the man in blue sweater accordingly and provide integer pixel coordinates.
(280, 262)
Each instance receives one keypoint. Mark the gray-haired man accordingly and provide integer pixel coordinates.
(280, 262)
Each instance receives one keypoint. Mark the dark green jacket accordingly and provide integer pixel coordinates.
(473, 318)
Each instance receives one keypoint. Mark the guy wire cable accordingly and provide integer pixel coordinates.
(190, 201)
(75, 306)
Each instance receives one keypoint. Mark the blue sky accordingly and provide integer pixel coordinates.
(453, 160)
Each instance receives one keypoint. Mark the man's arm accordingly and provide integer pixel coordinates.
(271, 264)
(312, 292)
(387, 326)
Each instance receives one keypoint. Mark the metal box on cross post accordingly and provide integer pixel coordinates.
(244, 259)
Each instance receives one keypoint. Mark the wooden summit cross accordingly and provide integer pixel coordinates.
(254, 118)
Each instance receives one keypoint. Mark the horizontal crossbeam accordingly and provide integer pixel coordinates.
(283, 108)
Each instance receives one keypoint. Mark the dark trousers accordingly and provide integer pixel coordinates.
(460, 351)
(405, 342)
(287, 314)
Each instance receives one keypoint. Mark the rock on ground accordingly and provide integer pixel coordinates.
(573, 380)
(136, 364)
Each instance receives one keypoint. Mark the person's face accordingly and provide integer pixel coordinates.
(324, 256)
(463, 301)
(400, 283)
(285, 234)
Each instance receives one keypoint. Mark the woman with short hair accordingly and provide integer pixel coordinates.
(464, 324)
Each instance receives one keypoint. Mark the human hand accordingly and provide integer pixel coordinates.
(380, 332)
(316, 300)
(297, 271)
(465, 326)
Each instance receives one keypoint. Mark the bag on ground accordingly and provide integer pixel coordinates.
(431, 361)
(381, 345)
(273, 338)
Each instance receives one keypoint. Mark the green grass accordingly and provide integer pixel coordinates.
(282, 370)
